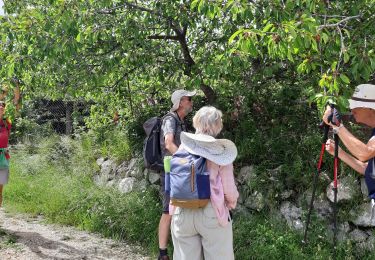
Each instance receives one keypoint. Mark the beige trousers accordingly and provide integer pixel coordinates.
(197, 235)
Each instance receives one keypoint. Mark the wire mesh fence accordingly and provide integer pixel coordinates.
(42, 117)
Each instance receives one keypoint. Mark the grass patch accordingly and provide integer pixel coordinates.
(6, 239)
(55, 180)
(263, 236)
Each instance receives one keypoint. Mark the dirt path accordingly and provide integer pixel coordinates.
(26, 238)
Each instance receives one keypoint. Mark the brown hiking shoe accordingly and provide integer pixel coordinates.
(164, 257)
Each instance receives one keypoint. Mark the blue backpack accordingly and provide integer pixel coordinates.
(189, 180)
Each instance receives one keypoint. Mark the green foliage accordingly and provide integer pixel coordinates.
(268, 65)
(264, 237)
(65, 193)
(116, 145)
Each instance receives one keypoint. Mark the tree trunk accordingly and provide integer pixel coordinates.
(69, 117)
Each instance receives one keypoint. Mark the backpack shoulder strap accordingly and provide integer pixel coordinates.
(174, 115)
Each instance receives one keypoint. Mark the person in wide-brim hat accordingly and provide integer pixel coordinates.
(361, 155)
(220, 151)
(215, 223)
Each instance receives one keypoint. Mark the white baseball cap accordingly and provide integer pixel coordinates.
(177, 95)
(363, 96)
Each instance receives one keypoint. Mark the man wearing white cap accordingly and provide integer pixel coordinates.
(172, 126)
(361, 157)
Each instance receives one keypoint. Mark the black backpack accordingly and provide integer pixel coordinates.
(152, 152)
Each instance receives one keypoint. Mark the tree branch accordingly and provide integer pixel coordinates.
(163, 37)
(338, 23)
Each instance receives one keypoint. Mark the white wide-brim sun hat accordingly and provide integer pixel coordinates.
(219, 151)
(363, 96)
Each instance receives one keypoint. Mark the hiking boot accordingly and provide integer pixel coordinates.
(164, 257)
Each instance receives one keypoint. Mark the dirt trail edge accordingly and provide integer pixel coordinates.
(25, 238)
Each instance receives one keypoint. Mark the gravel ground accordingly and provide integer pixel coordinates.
(26, 238)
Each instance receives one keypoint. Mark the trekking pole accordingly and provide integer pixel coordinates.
(335, 119)
(315, 180)
(335, 170)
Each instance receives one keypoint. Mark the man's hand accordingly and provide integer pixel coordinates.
(332, 117)
(330, 147)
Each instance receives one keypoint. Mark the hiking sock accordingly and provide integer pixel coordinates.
(163, 252)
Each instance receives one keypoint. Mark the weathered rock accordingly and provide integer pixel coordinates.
(255, 201)
(368, 245)
(286, 194)
(346, 189)
(362, 216)
(343, 229)
(100, 180)
(364, 189)
(153, 177)
(108, 168)
(100, 161)
(142, 185)
(126, 185)
(110, 183)
(134, 169)
(246, 174)
(240, 210)
(322, 207)
(145, 173)
(292, 214)
(358, 235)
(121, 170)
(241, 196)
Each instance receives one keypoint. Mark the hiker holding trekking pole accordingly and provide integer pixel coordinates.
(361, 156)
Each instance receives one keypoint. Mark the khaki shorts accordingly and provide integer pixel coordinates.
(166, 197)
(4, 176)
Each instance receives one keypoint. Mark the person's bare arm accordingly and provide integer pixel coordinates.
(169, 143)
(356, 147)
(360, 150)
(353, 162)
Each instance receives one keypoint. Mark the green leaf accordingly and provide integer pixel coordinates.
(333, 65)
(322, 82)
(200, 6)
(346, 57)
(78, 37)
(344, 78)
(234, 35)
(267, 27)
(194, 4)
(325, 37)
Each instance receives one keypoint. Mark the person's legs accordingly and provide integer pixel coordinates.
(164, 227)
(187, 244)
(164, 223)
(1, 194)
(217, 241)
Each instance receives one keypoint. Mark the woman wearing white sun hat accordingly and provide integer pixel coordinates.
(361, 157)
(207, 232)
